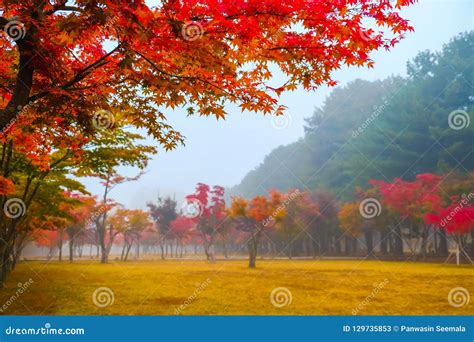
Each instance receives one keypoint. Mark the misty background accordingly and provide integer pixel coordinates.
(223, 152)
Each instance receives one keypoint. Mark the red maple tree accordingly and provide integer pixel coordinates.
(65, 64)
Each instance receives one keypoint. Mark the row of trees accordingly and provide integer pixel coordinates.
(79, 79)
(397, 219)
(410, 218)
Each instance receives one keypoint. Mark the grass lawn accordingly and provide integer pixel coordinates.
(229, 287)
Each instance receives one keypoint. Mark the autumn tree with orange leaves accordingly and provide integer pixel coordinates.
(75, 59)
(69, 69)
(255, 217)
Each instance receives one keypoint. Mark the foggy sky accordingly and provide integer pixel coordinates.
(222, 152)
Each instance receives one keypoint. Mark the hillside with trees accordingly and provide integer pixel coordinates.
(396, 127)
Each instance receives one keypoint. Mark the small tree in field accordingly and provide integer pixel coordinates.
(457, 218)
(182, 230)
(163, 213)
(412, 200)
(255, 217)
(49, 239)
(207, 209)
(350, 219)
(130, 224)
(78, 209)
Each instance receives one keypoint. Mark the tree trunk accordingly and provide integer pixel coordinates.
(129, 247)
(316, 243)
(424, 241)
(347, 245)
(23, 83)
(60, 245)
(337, 245)
(354, 245)
(253, 249)
(123, 250)
(252, 256)
(398, 241)
(225, 248)
(369, 240)
(104, 257)
(472, 242)
(3, 268)
(162, 248)
(443, 242)
(71, 249)
(384, 242)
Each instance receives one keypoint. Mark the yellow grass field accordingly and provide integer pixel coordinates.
(229, 288)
